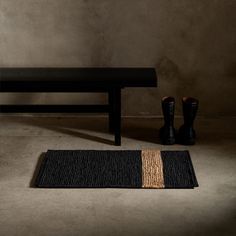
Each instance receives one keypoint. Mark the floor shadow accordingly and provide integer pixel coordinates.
(36, 171)
(138, 129)
(82, 135)
(63, 127)
(141, 132)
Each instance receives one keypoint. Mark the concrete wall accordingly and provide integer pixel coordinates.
(190, 42)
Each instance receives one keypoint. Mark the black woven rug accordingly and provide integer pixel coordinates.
(116, 169)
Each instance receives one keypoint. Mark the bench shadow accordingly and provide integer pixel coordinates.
(36, 170)
(81, 135)
(59, 125)
(137, 129)
(141, 132)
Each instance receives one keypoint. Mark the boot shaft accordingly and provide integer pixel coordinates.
(168, 108)
(167, 132)
(190, 108)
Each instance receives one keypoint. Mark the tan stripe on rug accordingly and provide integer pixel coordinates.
(152, 169)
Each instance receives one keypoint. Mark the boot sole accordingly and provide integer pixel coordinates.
(169, 141)
(187, 142)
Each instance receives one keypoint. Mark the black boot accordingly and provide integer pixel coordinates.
(167, 132)
(187, 135)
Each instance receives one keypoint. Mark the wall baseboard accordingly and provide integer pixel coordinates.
(71, 115)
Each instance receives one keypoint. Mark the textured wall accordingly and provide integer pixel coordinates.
(190, 42)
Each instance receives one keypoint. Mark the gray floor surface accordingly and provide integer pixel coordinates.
(24, 210)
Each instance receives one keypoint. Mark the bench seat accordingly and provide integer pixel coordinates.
(107, 80)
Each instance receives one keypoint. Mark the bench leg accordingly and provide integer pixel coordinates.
(111, 112)
(116, 117)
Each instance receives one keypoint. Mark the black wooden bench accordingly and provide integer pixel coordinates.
(107, 80)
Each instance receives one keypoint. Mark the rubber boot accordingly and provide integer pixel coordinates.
(167, 132)
(187, 134)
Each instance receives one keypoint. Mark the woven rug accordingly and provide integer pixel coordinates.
(116, 169)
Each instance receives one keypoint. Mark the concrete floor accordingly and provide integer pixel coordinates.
(207, 210)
